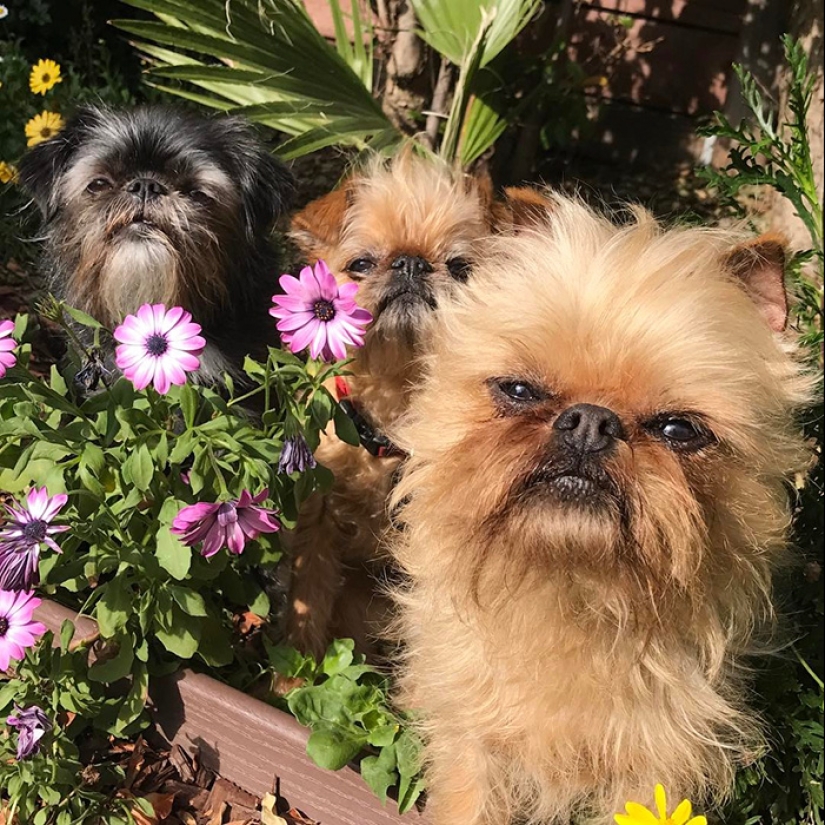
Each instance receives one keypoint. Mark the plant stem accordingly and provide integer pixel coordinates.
(218, 473)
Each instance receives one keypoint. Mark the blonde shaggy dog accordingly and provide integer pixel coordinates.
(593, 506)
(408, 231)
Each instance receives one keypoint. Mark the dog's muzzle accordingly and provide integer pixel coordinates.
(573, 471)
(409, 287)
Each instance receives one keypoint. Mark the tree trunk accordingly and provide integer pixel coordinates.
(405, 89)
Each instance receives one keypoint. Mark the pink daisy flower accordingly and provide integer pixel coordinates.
(27, 528)
(17, 630)
(317, 313)
(230, 523)
(7, 345)
(158, 347)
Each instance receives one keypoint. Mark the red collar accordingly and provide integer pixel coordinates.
(372, 439)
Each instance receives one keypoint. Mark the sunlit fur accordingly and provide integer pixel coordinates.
(409, 206)
(202, 245)
(566, 657)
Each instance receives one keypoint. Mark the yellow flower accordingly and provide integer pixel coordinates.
(7, 172)
(45, 74)
(42, 127)
(639, 815)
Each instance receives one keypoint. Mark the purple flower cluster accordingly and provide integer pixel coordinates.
(32, 725)
(225, 524)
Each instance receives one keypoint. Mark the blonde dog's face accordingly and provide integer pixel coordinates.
(607, 404)
(408, 233)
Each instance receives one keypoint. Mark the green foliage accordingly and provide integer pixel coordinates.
(345, 703)
(785, 786)
(129, 461)
(765, 152)
(268, 62)
(54, 787)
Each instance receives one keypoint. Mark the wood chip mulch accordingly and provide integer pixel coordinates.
(183, 792)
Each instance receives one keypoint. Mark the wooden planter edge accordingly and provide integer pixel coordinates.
(248, 742)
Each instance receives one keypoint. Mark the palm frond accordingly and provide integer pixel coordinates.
(265, 59)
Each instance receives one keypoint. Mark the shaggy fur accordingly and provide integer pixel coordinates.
(408, 232)
(160, 205)
(575, 615)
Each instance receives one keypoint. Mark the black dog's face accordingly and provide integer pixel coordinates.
(153, 205)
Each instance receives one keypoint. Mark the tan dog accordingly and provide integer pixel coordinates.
(593, 506)
(408, 232)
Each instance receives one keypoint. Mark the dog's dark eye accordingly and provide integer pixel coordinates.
(681, 433)
(99, 185)
(459, 268)
(522, 392)
(199, 196)
(361, 265)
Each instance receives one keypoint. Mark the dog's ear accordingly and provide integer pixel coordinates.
(521, 207)
(759, 266)
(43, 165)
(267, 186)
(318, 226)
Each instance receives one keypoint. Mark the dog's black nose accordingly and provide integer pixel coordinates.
(411, 266)
(146, 189)
(588, 428)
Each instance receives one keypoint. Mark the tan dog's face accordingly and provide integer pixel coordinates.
(608, 404)
(408, 233)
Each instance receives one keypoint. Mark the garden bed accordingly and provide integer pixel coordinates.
(248, 742)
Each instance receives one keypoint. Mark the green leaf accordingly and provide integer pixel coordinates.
(215, 646)
(66, 634)
(181, 634)
(82, 318)
(114, 608)
(345, 429)
(172, 554)
(260, 604)
(338, 657)
(140, 467)
(118, 666)
(188, 405)
(333, 749)
(188, 600)
(379, 772)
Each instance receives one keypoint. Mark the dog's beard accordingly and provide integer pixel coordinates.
(119, 260)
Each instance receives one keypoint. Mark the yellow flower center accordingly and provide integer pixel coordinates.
(46, 132)
(46, 77)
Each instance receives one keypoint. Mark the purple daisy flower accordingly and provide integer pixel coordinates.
(32, 725)
(7, 345)
(230, 523)
(21, 537)
(158, 347)
(17, 630)
(318, 313)
(296, 457)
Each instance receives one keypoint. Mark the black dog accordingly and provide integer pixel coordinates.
(160, 205)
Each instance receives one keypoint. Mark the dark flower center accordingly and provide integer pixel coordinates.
(4, 626)
(46, 132)
(34, 530)
(324, 310)
(46, 77)
(156, 345)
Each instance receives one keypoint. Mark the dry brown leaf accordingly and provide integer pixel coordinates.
(217, 813)
(268, 815)
(248, 621)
